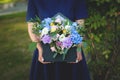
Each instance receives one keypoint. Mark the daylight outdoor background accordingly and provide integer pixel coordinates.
(103, 36)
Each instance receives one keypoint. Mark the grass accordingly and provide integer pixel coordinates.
(15, 59)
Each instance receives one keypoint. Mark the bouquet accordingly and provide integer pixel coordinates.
(60, 33)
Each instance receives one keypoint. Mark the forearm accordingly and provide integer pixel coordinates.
(39, 47)
(32, 36)
(81, 23)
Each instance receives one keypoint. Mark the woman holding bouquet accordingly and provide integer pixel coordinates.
(75, 10)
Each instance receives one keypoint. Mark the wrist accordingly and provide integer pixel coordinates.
(39, 46)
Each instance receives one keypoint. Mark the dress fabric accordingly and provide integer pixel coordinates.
(72, 9)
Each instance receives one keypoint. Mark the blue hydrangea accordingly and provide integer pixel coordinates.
(75, 37)
(73, 30)
(74, 24)
(47, 20)
(46, 25)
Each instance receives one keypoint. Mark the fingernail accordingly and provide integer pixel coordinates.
(76, 61)
(42, 59)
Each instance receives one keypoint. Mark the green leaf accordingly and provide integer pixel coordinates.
(64, 56)
(97, 39)
(53, 34)
(106, 52)
(32, 46)
(65, 51)
(55, 54)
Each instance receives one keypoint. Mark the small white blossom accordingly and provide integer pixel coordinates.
(67, 27)
(62, 37)
(44, 31)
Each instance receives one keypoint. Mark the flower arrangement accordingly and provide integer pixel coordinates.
(59, 32)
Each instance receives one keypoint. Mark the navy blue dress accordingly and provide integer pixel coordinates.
(74, 10)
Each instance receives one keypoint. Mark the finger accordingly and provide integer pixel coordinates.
(45, 62)
(77, 61)
(73, 62)
(42, 60)
(78, 56)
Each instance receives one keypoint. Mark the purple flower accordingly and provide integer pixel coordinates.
(46, 39)
(58, 43)
(67, 43)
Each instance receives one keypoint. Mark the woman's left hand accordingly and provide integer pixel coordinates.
(79, 57)
(79, 54)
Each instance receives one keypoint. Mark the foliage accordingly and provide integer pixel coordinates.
(15, 59)
(6, 1)
(103, 35)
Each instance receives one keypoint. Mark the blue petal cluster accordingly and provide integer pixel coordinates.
(75, 37)
(46, 22)
(74, 24)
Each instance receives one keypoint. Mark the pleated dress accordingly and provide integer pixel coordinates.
(72, 9)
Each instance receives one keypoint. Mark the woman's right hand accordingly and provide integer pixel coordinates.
(40, 57)
(35, 38)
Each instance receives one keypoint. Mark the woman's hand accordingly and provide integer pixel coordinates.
(40, 57)
(79, 54)
(35, 38)
(79, 57)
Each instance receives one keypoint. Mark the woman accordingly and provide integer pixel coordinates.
(75, 10)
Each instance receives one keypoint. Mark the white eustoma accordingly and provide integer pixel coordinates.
(57, 35)
(62, 37)
(44, 31)
(67, 27)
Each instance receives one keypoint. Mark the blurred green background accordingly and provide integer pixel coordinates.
(15, 59)
(102, 31)
(14, 56)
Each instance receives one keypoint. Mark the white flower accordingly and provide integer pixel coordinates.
(67, 27)
(61, 27)
(62, 37)
(58, 20)
(57, 35)
(44, 31)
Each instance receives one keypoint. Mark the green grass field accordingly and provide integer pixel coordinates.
(15, 59)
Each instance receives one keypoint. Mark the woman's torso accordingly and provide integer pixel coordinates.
(48, 8)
